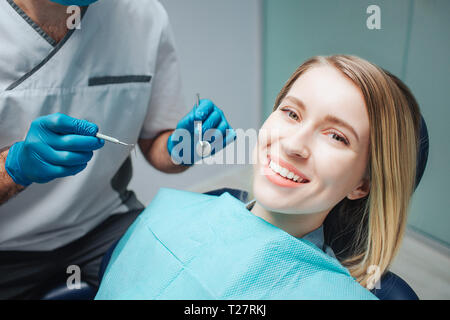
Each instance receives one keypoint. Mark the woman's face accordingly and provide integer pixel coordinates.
(319, 136)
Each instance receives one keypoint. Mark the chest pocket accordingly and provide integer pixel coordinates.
(99, 81)
(117, 104)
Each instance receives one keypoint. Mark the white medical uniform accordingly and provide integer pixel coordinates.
(120, 71)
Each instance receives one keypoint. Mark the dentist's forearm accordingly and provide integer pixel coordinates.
(8, 188)
(155, 151)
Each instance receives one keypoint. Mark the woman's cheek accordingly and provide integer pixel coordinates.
(332, 165)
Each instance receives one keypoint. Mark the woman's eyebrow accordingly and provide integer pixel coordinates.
(329, 118)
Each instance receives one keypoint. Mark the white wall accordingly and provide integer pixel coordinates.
(219, 45)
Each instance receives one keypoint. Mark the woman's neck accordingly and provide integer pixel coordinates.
(297, 225)
(49, 16)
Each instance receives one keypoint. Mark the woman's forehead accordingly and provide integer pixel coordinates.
(328, 86)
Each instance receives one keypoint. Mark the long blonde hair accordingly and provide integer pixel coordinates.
(367, 233)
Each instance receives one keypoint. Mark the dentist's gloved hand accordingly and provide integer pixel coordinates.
(181, 144)
(56, 146)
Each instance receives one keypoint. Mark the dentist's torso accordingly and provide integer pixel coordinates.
(103, 72)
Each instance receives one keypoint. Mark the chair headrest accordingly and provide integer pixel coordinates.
(422, 151)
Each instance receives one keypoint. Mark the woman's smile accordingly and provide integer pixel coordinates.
(283, 174)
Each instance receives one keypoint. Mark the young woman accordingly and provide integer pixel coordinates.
(335, 171)
(351, 129)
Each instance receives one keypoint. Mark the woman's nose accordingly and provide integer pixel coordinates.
(297, 144)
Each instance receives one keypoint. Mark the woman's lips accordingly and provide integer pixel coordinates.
(281, 181)
(288, 166)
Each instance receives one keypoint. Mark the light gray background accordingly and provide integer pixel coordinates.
(219, 45)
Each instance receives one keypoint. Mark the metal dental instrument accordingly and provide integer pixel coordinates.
(203, 147)
(114, 140)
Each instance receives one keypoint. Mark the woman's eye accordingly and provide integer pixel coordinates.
(291, 114)
(339, 138)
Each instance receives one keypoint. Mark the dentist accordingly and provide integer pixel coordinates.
(63, 192)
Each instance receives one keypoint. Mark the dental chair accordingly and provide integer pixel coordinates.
(392, 287)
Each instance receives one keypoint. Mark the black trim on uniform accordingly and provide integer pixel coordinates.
(51, 54)
(98, 81)
(33, 24)
(120, 182)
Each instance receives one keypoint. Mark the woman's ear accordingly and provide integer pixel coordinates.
(361, 190)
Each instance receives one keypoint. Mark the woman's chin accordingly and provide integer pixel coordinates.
(269, 197)
(277, 198)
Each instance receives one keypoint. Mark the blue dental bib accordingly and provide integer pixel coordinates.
(193, 246)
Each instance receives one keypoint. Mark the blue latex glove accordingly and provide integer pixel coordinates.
(212, 118)
(56, 146)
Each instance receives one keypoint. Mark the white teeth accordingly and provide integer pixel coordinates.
(284, 172)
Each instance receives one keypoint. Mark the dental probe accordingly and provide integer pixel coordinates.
(113, 140)
(203, 147)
